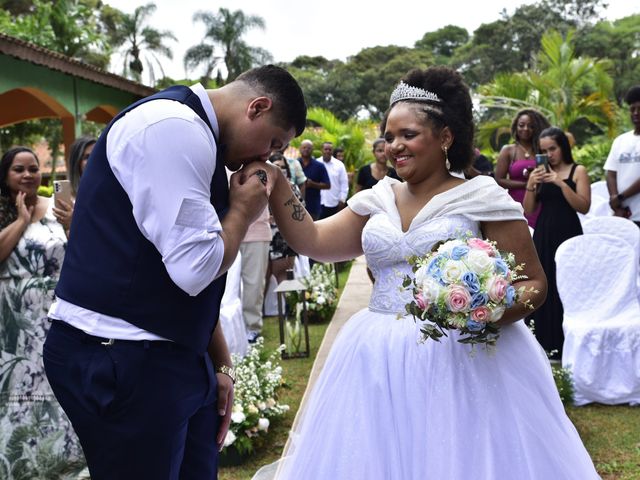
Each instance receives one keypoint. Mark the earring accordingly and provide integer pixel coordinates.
(446, 157)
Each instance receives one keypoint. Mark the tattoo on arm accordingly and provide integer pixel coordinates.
(299, 212)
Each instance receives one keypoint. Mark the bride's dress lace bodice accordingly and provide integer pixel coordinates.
(447, 215)
(387, 248)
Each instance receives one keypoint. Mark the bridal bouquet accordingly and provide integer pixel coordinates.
(465, 284)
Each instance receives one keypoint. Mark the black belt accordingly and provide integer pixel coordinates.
(87, 338)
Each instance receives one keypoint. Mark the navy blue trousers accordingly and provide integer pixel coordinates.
(142, 410)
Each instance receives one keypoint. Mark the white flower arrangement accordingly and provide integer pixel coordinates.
(258, 378)
(321, 294)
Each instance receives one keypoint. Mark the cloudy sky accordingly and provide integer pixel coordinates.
(332, 28)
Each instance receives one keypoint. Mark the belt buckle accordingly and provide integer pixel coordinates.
(108, 343)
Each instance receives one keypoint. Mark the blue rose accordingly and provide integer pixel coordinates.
(510, 295)
(479, 299)
(434, 268)
(501, 267)
(474, 326)
(459, 251)
(471, 281)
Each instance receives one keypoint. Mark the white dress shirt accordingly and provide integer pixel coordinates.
(163, 155)
(339, 189)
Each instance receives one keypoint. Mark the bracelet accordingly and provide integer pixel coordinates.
(228, 371)
(530, 189)
(620, 197)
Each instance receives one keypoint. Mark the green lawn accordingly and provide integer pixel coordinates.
(610, 433)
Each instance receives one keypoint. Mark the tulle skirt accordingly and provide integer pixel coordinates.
(388, 407)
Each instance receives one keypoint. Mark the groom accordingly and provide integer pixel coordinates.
(135, 354)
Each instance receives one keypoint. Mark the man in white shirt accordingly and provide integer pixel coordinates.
(623, 165)
(135, 354)
(333, 199)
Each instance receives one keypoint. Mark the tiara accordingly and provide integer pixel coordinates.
(408, 92)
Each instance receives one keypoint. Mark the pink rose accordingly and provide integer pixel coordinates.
(457, 298)
(421, 302)
(481, 314)
(482, 245)
(497, 288)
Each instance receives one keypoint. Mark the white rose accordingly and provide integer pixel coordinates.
(262, 405)
(229, 439)
(320, 300)
(430, 290)
(497, 313)
(263, 424)
(421, 275)
(448, 247)
(453, 270)
(238, 417)
(479, 262)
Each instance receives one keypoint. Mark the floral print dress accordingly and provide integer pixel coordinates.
(31, 420)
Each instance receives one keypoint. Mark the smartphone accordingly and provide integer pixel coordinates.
(543, 160)
(62, 191)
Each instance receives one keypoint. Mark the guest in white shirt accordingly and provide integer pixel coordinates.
(333, 199)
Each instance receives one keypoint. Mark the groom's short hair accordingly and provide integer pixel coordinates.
(279, 85)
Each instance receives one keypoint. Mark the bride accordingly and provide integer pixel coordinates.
(386, 406)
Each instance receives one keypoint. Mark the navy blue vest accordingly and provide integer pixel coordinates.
(109, 266)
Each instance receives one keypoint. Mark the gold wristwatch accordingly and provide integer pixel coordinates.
(228, 371)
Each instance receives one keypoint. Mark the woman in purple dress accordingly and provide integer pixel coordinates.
(517, 160)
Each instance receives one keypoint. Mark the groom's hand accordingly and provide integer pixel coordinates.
(225, 405)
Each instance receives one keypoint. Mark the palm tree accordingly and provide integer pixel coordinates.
(142, 43)
(565, 88)
(225, 29)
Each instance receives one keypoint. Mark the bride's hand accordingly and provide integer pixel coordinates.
(266, 171)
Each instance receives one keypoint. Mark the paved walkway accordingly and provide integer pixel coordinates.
(355, 297)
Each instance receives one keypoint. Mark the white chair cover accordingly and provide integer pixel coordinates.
(301, 267)
(617, 226)
(596, 277)
(271, 298)
(599, 203)
(599, 189)
(231, 317)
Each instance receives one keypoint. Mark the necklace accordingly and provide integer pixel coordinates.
(526, 152)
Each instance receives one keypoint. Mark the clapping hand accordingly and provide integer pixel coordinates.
(25, 213)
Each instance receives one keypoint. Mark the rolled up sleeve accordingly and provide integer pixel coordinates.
(166, 168)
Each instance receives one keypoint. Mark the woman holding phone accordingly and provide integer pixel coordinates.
(561, 188)
(79, 153)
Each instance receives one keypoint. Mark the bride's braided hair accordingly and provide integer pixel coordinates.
(455, 110)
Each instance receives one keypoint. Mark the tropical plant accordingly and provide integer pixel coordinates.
(593, 156)
(350, 135)
(225, 29)
(570, 91)
(141, 42)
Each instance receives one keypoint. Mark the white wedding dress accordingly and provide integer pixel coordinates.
(387, 407)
